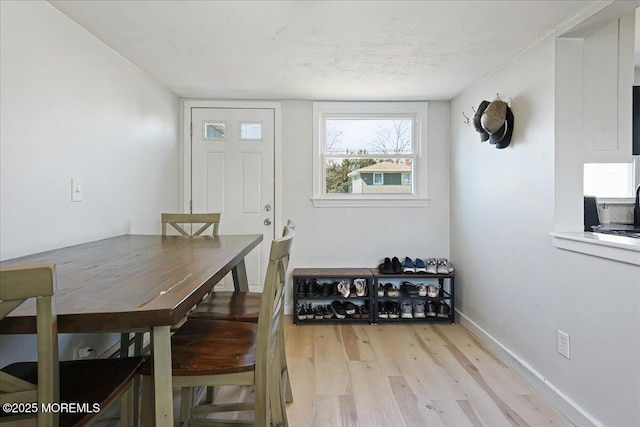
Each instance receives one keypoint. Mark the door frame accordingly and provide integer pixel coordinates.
(185, 148)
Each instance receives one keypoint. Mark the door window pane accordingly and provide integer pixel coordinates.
(214, 130)
(251, 131)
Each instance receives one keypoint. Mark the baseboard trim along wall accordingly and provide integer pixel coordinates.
(570, 409)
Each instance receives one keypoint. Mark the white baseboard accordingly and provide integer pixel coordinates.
(563, 403)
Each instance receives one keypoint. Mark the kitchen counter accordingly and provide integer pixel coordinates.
(618, 248)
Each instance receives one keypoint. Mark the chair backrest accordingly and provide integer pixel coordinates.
(174, 220)
(17, 284)
(268, 373)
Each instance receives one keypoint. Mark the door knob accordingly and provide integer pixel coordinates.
(267, 221)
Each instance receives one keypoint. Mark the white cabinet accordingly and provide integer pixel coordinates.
(608, 82)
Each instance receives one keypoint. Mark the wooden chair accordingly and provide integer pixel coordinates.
(207, 352)
(242, 307)
(174, 220)
(48, 381)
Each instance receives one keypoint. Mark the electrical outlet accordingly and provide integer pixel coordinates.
(563, 343)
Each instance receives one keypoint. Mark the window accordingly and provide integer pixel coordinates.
(214, 131)
(369, 153)
(609, 180)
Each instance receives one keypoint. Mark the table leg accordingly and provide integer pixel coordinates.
(240, 282)
(162, 382)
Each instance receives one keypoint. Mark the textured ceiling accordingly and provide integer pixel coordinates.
(357, 50)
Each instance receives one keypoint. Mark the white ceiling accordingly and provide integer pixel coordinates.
(320, 50)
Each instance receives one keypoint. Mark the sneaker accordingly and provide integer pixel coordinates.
(406, 310)
(386, 267)
(361, 287)
(326, 289)
(422, 290)
(443, 309)
(397, 267)
(334, 290)
(301, 312)
(408, 289)
(382, 310)
(312, 289)
(364, 310)
(419, 266)
(301, 288)
(433, 290)
(430, 309)
(349, 307)
(380, 290)
(338, 310)
(407, 266)
(319, 312)
(328, 312)
(390, 290)
(344, 288)
(432, 266)
(418, 309)
(443, 266)
(356, 314)
(393, 308)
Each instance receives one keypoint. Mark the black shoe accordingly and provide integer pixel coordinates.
(301, 312)
(431, 309)
(390, 290)
(393, 308)
(338, 310)
(443, 309)
(408, 289)
(382, 310)
(326, 289)
(364, 311)
(396, 265)
(349, 307)
(319, 312)
(312, 288)
(357, 314)
(386, 267)
(301, 291)
(310, 313)
(328, 313)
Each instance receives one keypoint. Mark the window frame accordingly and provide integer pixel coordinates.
(418, 111)
(635, 181)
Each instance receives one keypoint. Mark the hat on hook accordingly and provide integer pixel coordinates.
(505, 140)
(493, 118)
(477, 121)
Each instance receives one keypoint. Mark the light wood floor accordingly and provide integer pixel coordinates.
(405, 374)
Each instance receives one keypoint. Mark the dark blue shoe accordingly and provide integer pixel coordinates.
(419, 266)
(407, 266)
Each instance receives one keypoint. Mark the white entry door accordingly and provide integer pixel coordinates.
(232, 172)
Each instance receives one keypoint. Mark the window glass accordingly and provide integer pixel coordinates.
(251, 131)
(214, 130)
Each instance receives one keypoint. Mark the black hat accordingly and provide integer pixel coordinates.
(502, 140)
(476, 121)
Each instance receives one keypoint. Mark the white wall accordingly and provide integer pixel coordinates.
(362, 237)
(72, 107)
(513, 285)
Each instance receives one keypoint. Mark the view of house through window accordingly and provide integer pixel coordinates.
(368, 155)
(609, 180)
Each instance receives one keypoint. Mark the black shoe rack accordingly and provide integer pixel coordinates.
(308, 284)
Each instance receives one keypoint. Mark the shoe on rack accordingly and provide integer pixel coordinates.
(397, 267)
(334, 290)
(408, 289)
(356, 314)
(422, 290)
(328, 312)
(432, 266)
(380, 290)
(338, 310)
(393, 308)
(361, 287)
(319, 312)
(386, 267)
(390, 290)
(406, 310)
(443, 309)
(364, 310)
(312, 288)
(344, 288)
(444, 267)
(301, 290)
(349, 307)
(382, 310)
(301, 312)
(431, 308)
(418, 309)
(419, 266)
(325, 290)
(407, 266)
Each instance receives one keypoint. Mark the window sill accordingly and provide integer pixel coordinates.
(616, 200)
(617, 248)
(353, 202)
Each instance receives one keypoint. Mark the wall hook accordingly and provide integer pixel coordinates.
(466, 120)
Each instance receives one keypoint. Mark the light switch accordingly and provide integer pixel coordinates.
(76, 190)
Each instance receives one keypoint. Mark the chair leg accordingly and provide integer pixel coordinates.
(147, 407)
(288, 394)
(186, 405)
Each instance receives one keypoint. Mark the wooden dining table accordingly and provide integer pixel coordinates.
(134, 283)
